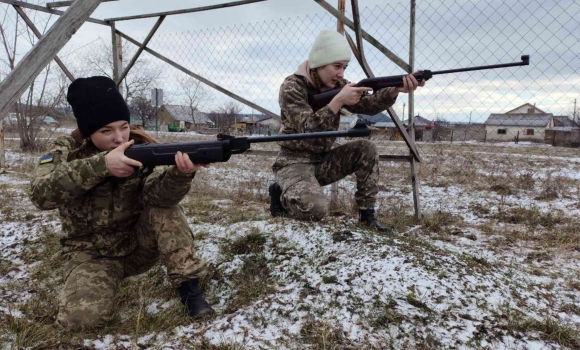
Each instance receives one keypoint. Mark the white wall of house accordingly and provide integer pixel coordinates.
(496, 133)
(272, 123)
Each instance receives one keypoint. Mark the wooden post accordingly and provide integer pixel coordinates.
(334, 185)
(452, 135)
(140, 50)
(414, 165)
(339, 23)
(55, 4)
(47, 10)
(485, 136)
(178, 12)
(371, 40)
(43, 52)
(36, 32)
(200, 78)
(117, 46)
(358, 49)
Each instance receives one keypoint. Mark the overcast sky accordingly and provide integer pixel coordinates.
(255, 12)
(251, 48)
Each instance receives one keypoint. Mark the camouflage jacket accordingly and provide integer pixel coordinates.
(298, 117)
(99, 211)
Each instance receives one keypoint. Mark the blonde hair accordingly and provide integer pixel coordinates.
(139, 134)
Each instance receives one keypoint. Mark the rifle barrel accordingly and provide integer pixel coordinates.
(525, 62)
(354, 132)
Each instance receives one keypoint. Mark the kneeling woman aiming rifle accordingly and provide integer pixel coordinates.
(116, 222)
(304, 166)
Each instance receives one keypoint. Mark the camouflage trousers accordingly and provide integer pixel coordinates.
(302, 193)
(91, 281)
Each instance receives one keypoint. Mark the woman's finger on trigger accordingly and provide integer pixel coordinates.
(178, 161)
(131, 162)
(186, 161)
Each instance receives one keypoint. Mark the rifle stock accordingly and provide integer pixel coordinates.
(220, 150)
(320, 100)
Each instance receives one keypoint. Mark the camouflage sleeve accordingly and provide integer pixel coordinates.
(373, 104)
(166, 187)
(56, 180)
(300, 116)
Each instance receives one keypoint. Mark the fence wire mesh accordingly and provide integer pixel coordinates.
(467, 125)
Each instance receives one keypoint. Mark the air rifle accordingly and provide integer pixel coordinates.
(320, 100)
(220, 150)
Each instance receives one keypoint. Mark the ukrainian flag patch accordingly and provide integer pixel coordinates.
(46, 159)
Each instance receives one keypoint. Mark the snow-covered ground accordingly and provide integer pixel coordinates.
(495, 264)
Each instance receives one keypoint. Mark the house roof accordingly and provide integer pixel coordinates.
(251, 118)
(384, 125)
(183, 113)
(564, 128)
(564, 121)
(419, 121)
(528, 105)
(537, 120)
(377, 118)
(347, 119)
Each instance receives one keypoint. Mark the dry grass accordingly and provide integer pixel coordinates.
(548, 329)
(222, 199)
(322, 335)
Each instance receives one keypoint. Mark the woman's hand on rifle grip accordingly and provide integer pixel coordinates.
(185, 165)
(410, 83)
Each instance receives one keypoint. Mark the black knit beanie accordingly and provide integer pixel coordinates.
(96, 102)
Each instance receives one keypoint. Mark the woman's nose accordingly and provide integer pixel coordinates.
(119, 137)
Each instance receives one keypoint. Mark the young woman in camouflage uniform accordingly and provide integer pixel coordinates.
(303, 166)
(116, 222)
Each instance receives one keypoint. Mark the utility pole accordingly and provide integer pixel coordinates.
(574, 115)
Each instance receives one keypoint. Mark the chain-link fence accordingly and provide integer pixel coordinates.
(525, 110)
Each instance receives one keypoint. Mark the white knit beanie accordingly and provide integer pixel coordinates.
(330, 46)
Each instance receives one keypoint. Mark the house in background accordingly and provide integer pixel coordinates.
(423, 128)
(252, 124)
(347, 121)
(267, 126)
(377, 118)
(524, 123)
(564, 133)
(177, 117)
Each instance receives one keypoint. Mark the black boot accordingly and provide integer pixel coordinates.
(367, 217)
(276, 208)
(193, 300)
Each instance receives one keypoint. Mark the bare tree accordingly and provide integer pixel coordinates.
(140, 79)
(194, 95)
(41, 99)
(441, 129)
(9, 42)
(225, 116)
(142, 110)
(44, 94)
